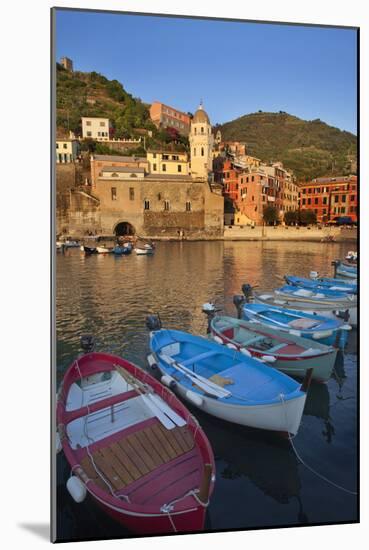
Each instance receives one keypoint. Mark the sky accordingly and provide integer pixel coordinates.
(235, 68)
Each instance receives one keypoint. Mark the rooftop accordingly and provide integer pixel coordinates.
(171, 177)
(118, 158)
(201, 116)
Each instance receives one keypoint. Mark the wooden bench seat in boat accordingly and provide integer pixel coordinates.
(239, 339)
(146, 462)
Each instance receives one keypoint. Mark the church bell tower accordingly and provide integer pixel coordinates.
(201, 144)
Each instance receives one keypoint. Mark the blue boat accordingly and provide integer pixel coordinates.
(226, 383)
(316, 294)
(344, 270)
(332, 332)
(323, 283)
(119, 250)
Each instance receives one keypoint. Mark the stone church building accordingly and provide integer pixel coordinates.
(126, 196)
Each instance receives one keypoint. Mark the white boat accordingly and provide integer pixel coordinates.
(103, 249)
(144, 249)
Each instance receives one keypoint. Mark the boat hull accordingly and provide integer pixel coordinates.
(333, 311)
(185, 522)
(322, 366)
(336, 337)
(281, 417)
(144, 251)
(344, 273)
(293, 365)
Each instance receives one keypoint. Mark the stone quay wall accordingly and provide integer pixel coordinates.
(287, 233)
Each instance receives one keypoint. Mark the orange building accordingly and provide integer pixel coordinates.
(257, 189)
(165, 116)
(330, 197)
(229, 179)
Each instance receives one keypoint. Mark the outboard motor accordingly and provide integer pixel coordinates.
(247, 291)
(345, 315)
(239, 301)
(87, 342)
(153, 322)
(210, 311)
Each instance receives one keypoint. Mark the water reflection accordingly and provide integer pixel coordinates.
(267, 460)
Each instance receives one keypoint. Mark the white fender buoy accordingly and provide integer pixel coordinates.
(322, 334)
(231, 346)
(269, 358)
(314, 274)
(151, 361)
(346, 327)
(194, 398)
(295, 332)
(218, 339)
(245, 352)
(167, 380)
(76, 489)
(58, 443)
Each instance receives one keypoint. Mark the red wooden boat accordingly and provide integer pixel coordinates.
(133, 446)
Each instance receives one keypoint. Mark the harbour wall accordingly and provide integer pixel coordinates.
(289, 233)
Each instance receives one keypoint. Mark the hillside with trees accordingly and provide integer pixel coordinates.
(80, 94)
(309, 148)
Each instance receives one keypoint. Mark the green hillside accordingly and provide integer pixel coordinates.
(91, 94)
(81, 94)
(309, 148)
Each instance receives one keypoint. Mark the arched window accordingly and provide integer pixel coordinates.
(195, 130)
(147, 205)
(114, 175)
(188, 206)
(166, 205)
(202, 129)
(202, 151)
(194, 151)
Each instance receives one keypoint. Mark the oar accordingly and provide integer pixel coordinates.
(167, 410)
(203, 383)
(160, 415)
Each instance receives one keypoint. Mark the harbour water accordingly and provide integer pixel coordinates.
(260, 481)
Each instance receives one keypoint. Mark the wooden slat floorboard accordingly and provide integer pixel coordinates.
(150, 455)
(138, 454)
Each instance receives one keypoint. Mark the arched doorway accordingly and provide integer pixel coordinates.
(123, 229)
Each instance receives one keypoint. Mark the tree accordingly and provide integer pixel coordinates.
(89, 145)
(307, 217)
(270, 215)
(291, 217)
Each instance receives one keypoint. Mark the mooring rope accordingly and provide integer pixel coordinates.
(85, 430)
(321, 476)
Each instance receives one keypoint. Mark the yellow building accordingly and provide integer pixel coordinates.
(67, 150)
(201, 143)
(168, 162)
